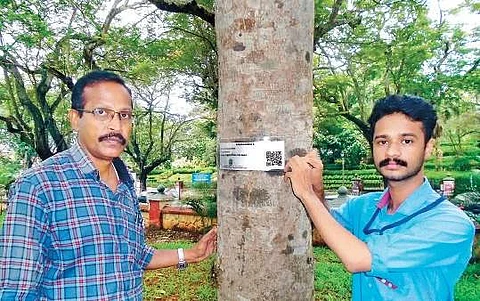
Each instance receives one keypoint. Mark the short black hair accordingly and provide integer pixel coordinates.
(414, 107)
(90, 79)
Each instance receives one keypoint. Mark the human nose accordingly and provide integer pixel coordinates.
(114, 123)
(393, 150)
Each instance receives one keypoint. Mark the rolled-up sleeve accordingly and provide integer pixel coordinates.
(23, 243)
(147, 256)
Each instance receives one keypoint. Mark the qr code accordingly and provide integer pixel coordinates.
(274, 158)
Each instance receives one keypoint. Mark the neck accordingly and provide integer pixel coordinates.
(105, 168)
(401, 190)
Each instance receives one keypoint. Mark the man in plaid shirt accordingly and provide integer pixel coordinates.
(73, 229)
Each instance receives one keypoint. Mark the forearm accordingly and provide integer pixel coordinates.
(353, 252)
(320, 194)
(200, 251)
(163, 259)
(169, 258)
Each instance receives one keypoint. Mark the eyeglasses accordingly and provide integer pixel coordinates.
(104, 115)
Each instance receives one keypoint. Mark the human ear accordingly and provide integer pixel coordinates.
(429, 148)
(73, 116)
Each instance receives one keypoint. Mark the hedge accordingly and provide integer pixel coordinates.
(464, 181)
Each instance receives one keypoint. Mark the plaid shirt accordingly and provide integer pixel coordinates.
(67, 236)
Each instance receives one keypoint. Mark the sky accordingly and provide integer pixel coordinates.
(465, 17)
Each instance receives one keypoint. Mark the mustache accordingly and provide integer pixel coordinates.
(397, 161)
(119, 136)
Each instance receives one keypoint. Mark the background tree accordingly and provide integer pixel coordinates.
(40, 53)
(337, 139)
(156, 129)
(461, 129)
(198, 142)
(392, 48)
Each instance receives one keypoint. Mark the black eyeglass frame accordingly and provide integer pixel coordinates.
(110, 113)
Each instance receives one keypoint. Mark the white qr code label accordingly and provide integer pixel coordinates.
(252, 155)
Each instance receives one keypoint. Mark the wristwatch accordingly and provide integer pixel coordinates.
(182, 264)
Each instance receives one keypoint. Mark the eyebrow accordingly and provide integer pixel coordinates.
(403, 135)
(107, 108)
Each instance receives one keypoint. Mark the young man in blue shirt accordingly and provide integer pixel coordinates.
(407, 242)
(73, 229)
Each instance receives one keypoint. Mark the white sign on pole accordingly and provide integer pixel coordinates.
(252, 155)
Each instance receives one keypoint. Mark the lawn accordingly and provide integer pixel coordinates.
(195, 283)
(332, 282)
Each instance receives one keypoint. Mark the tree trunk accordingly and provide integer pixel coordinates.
(143, 179)
(265, 58)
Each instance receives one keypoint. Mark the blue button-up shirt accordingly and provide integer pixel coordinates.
(420, 259)
(67, 236)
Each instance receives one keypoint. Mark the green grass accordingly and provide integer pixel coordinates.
(332, 281)
(194, 284)
(468, 288)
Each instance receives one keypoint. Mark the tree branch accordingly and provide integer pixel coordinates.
(191, 7)
(67, 80)
(334, 20)
(210, 43)
(474, 66)
(362, 125)
(10, 123)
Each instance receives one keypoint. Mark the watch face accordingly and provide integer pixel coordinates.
(182, 265)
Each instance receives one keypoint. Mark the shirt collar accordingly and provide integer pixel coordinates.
(85, 165)
(122, 171)
(423, 195)
(83, 162)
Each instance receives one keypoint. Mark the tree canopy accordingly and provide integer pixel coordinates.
(364, 50)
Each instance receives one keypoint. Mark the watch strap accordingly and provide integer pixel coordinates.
(182, 264)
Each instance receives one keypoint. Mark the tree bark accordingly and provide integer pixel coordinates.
(265, 68)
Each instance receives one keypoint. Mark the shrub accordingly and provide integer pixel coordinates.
(470, 203)
(464, 181)
(205, 206)
(467, 182)
(203, 199)
(161, 188)
(203, 185)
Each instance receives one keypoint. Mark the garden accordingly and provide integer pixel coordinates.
(169, 54)
(331, 281)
